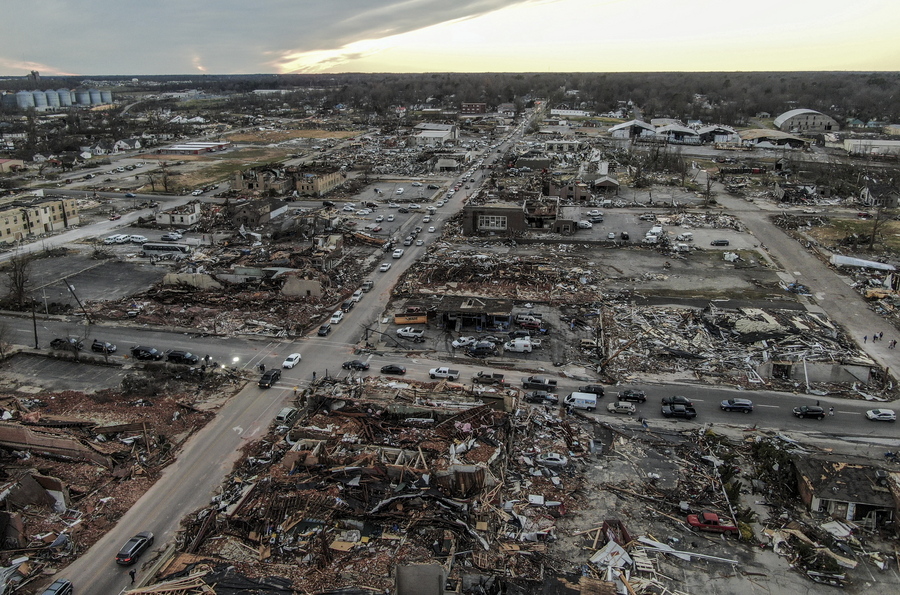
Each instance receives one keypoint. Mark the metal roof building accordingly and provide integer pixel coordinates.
(805, 120)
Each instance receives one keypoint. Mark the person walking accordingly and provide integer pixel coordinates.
(831, 411)
(314, 374)
(865, 339)
(880, 335)
(131, 573)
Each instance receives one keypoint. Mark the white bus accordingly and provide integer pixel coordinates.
(173, 250)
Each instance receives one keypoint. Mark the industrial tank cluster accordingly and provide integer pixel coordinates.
(42, 100)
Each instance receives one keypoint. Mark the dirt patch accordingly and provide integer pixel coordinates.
(839, 230)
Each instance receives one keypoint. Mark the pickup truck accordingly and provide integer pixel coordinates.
(443, 373)
(487, 378)
(682, 411)
(677, 400)
(409, 332)
(710, 521)
(539, 383)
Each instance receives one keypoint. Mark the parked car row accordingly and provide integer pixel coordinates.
(175, 356)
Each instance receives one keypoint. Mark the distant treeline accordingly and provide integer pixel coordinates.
(726, 97)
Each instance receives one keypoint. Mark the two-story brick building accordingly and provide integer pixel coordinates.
(24, 217)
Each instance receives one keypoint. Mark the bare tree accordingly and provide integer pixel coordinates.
(17, 296)
(5, 335)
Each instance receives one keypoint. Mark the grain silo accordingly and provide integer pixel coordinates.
(106, 96)
(40, 99)
(95, 96)
(65, 97)
(82, 97)
(52, 98)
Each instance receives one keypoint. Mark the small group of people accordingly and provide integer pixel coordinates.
(877, 337)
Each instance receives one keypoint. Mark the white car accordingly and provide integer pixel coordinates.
(463, 342)
(390, 217)
(439, 203)
(426, 219)
(379, 219)
(385, 266)
(399, 190)
(416, 184)
(431, 229)
(348, 209)
(137, 239)
(585, 225)
(595, 213)
(291, 361)
(397, 253)
(881, 415)
(337, 317)
(420, 242)
(415, 206)
(611, 235)
(196, 193)
(393, 205)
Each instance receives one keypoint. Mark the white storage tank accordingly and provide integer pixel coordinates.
(65, 97)
(82, 97)
(24, 99)
(40, 99)
(106, 96)
(52, 98)
(95, 96)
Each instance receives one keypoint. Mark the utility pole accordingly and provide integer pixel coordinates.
(34, 324)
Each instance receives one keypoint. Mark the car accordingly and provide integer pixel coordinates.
(403, 210)
(111, 240)
(534, 325)
(409, 332)
(197, 192)
(621, 407)
(594, 389)
(719, 243)
(390, 218)
(552, 459)
(399, 190)
(102, 347)
(137, 239)
(324, 330)
(291, 360)
(385, 266)
(130, 195)
(420, 242)
(595, 213)
(519, 334)
(431, 229)
(115, 217)
(809, 411)
(677, 400)
(881, 415)
(356, 364)
(417, 230)
(596, 219)
(481, 349)
(463, 342)
(379, 218)
(439, 203)
(398, 252)
(632, 394)
(122, 239)
(170, 237)
(416, 184)
(624, 235)
(348, 209)
(541, 397)
(611, 235)
(337, 317)
(393, 369)
(742, 405)
(415, 207)
(269, 378)
(408, 241)
(585, 225)
(393, 205)
(60, 586)
(146, 353)
(433, 187)
(177, 356)
(426, 219)
(134, 547)
(67, 344)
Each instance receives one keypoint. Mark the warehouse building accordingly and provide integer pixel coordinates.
(805, 120)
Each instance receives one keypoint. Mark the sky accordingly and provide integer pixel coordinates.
(133, 37)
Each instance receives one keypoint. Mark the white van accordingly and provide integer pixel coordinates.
(337, 317)
(587, 401)
(357, 295)
(521, 345)
(656, 230)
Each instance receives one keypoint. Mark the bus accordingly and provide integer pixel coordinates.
(172, 250)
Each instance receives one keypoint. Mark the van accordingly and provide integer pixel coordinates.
(586, 401)
(367, 286)
(656, 230)
(357, 295)
(518, 345)
(286, 416)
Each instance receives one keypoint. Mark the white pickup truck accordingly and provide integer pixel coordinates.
(443, 373)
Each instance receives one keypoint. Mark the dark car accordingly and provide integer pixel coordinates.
(541, 397)
(327, 203)
(519, 334)
(594, 389)
(324, 330)
(403, 210)
(130, 195)
(807, 411)
(719, 243)
(146, 353)
(67, 344)
(742, 405)
(60, 586)
(103, 347)
(432, 186)
(356, 364)
(269, 378)
(624, 235)
(482, 348)
(677, 400)
(347, 305)
(181, 357)
(134, 548)
(393, 369)
(631, 394)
